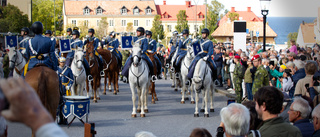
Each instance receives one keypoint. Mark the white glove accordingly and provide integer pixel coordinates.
(67, 87)
(205, 58)
(194, 40)
(150, 52)
(111, 50)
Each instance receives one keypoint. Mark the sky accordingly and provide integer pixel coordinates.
(278, 8)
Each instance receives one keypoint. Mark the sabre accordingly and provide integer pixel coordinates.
(66, 76)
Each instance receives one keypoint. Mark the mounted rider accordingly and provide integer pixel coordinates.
(48, 34)
(174, 42)
(23, 40)
(207, 47)
(96, 44)
(69, 31)
(152, 47)
(113, 45)
(77, 43)
(40, 50)
(143, 43)
(182, 50)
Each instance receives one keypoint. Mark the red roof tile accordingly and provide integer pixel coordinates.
(245, 15)
(173, 10)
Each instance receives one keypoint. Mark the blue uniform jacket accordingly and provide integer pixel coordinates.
(95, 43)
(152, 45)
(207, 47)
(218, 59)
(173, 48)
(182, 49)
(23, 42)
(42, 45)
(143, 45)
(74, 43)
(65, 77)
(113, 44)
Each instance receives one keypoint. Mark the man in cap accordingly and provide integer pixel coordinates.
(261, 76)
(152, 47)
(96, 44)
(69, 31)
(238, 75)
(173, 43)
(143, 43)
(182, 50)
(113, 43)
(40, 49)
(207, 47)
(23, 40)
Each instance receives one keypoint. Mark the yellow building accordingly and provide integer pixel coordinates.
(118, 13)
(23, 5)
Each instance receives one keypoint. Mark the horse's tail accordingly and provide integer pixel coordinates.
(42, 87)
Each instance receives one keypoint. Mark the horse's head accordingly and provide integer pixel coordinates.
(136, 55)
(13, 55)
(78, 58)
(90, 50)
(190, 51)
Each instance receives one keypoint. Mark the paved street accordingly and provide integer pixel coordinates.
(166, 118)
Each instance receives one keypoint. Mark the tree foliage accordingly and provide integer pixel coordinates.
(233, 16)
(43, 11)
(157, 28)
(12, 19)
(213, 16)
(182, 22)
(292, 36)
(102, 28)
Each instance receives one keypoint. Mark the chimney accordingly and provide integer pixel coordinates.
(164, 2)
(233, 9)
(188, 3)
(249, 9)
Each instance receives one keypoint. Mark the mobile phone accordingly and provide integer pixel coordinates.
(231, 101)
(3, 101)
(272, 63)
(307, 86)
(315, 58)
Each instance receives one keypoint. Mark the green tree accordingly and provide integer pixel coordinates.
(213, 16)
(157, 28)
(292, 36)
(83, 29)
(102, 28)
(233, 16)
(13, 19)
(182, 22)
(43, 11)
(129, 27)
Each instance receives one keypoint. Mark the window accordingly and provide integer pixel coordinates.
(86, 23)
(136, 23)
(136, 10)
(148, 10)
(123, 23)
(99, 11)
(111, 23)
(86, 10)
(98, 22)
(148, 23)
(196, 27)
(201, 16)
(74, 22)
(169, 27)
(123, 10)
(165, 16)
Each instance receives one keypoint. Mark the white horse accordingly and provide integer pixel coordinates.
(175, 80)
(186, 62)
(139, 79)
(79, 73)
(202, 81)
(16, 61)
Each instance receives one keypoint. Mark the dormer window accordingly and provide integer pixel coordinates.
(200, 15)
(148, 10)
(86, 10)
(99, 10)
(165, 15)
(123, 10)
(136, 10)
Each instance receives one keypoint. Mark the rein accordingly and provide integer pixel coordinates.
(138, 76)
(108, 64)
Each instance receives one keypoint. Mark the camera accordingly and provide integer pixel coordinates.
(287, 70)
(3, 101)
(315, 58)
(271, 63)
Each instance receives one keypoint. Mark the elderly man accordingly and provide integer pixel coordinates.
(299, 73)
(235, 121)
(316, 121)
(300, 90)
(298, 114)
(269, 101)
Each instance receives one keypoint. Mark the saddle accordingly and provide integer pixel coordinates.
(40, 65)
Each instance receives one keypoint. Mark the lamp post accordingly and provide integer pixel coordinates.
(264, 11)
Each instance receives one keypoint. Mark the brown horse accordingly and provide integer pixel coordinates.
(94, 70)
(111, 68)
(46, 82)
(152, 90)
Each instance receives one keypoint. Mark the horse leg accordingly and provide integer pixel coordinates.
(73, 89)
(151, 91)
(142, 101)
(176, 85)
(133, 114)
(94, 90)
(145, 103)
(173, 80)
(87, 88)
(105, 86)
(203, 100)
(191, 94)
(196, 112)
(114, 79)
(206, 114)
(155, 93)
(110, 81)
(98, 88)
(211, 100)
(139, 99)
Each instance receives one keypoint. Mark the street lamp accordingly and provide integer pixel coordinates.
(264, 11)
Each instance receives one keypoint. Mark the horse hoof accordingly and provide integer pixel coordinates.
(114, 93)
(153, 102)
(156, 99)
(104, 93)
(192, 102)
(109, 90)
(188, 93)
(142, 115)
(201, 110)
(196, 115)
(118, 91)
(138, 110)
(186, 98)
(176, 89)
(133, 115)
(211, 110)
(182, 102)
(91, 97)
(146, 111)
(172, 86)
(95, 101)
(98, 98)
(206, 115)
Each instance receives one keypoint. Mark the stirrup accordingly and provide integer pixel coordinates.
(125, 80)
(188, 82)
(102, 73)
(153, 78)
(177, 75)
(90, 78)
(172, 69)
(167, 65)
